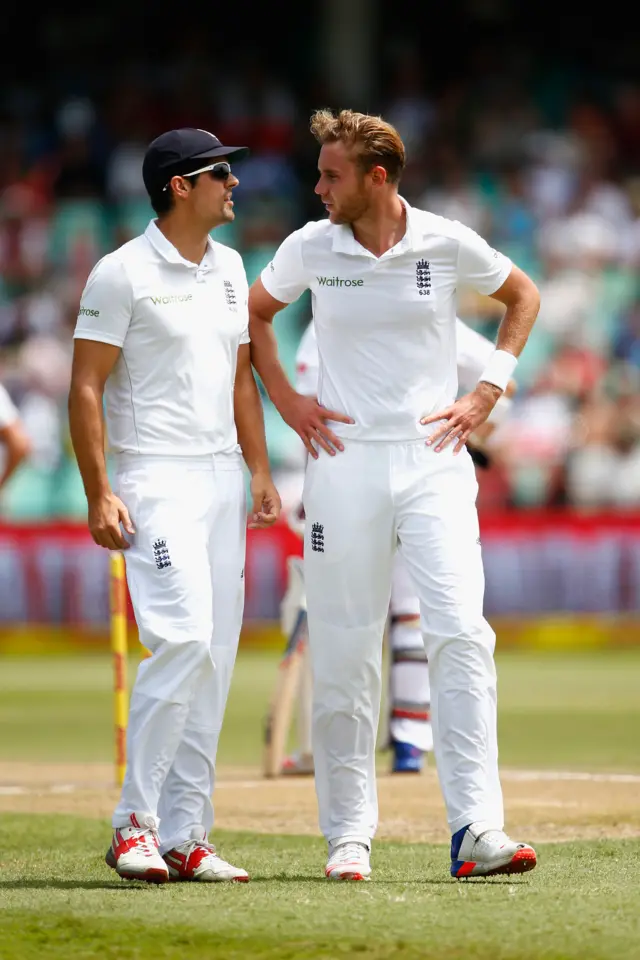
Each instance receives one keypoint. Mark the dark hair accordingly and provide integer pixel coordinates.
(374, 141)
(162, 200)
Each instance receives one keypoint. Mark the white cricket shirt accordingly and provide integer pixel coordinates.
(8, 412)
(179, 325)
(472, 353)
(385, 326)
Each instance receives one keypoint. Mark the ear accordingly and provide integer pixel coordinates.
(180, 186)
(378, 176)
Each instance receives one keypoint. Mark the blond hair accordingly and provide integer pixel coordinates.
(374, 141)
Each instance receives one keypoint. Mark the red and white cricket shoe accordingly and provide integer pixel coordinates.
(348, 861)
(197, 860)
(134, 853)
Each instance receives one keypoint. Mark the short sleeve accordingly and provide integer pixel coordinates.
(244, 303)
(472, 355)
(285, 277)
(479, 265)
(307, 363)
(106, 304)
(8, 413)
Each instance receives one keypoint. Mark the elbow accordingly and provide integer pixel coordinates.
(84, 389)
(18, 444)
(512, 387)
(533, 298)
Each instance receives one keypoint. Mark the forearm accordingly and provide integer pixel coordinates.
(518, 322)
(264, 357)
(249, 420)
(86, 427)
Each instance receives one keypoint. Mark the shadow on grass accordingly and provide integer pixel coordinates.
(54, 884)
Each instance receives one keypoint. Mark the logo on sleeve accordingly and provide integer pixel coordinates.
(423, 278)
(85, 312)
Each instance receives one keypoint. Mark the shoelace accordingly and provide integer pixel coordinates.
(496, 837)
(189, 847)
(348, 851)
(147, 843)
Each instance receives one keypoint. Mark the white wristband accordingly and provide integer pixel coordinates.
(500, 369)
(501, 410)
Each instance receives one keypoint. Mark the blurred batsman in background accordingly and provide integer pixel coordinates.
(163, 333)
(394, 476)
(409, 703)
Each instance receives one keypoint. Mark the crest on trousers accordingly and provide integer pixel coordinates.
(317, 538)
(161, 554)
(423, 278)
(230, 295)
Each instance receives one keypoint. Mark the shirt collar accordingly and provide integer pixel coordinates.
(345, 242)
(168, 252)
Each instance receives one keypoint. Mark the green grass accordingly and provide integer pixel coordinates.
(576, 711)
(58, 899)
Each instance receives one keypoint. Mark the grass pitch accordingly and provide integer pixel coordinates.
(58, 900)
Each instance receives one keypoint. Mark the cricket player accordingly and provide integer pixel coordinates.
(163, 332)
(409, 720)
(14, 443)
(394, 473)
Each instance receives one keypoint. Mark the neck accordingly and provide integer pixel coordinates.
(382, 226)
(189, 239)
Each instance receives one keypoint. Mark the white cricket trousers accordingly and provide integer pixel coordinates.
(359, 505)
(185, 571)
(409, 689)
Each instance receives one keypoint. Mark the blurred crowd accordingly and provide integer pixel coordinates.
(548, 175)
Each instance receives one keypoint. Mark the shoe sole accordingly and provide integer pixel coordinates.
(521, 862)
(203, 880)
(150, 876)
(347, 875)
(110, 861)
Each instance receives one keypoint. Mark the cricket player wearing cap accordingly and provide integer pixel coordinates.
(163, 332)
(395, 473)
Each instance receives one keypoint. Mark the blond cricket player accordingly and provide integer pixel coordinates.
(393, 473)
(162, 333)
(409, 717)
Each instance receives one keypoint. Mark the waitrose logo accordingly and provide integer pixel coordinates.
(175, 298)
(339, 282)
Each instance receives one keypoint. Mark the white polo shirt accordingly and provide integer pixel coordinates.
(385, 326)
(179, 325)
(8, 412)
(472, 353)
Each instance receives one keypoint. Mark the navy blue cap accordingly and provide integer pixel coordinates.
(172, 153)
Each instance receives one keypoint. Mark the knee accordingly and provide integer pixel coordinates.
(463, 645)
(187, 640)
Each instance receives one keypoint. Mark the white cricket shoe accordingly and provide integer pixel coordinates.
(134, 853)
(197, 860)
(348, 861)
(479, 851)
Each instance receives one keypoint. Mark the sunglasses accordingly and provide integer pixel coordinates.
(217, 171)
